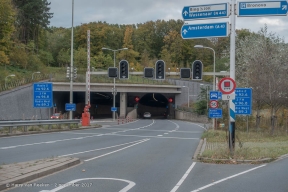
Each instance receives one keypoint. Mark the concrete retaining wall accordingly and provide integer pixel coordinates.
(17, 104)
(132, 114)
(183, 115)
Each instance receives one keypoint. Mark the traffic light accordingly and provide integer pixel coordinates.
(113, 72)
(185, 73)
(148, 72)
(197, 69)
(123, 69)
(160, 69)
(136, 99)
(170, 100)
(74, 72)
(68, 72)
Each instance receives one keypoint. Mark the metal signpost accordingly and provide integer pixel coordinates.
(208, 30)
(215, 113)
(262, 8)
(42, 95)
(213, 11)
(243, 101)
(70, 107)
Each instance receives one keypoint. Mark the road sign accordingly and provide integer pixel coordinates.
(215, 113)
(226, 97)
(212, 11)
(113, 108)
(227, 85)
(213, 104)
(70, 107)
(42, 95)
(195, 31)
(215, 95)
(243, 101)
(262, 8)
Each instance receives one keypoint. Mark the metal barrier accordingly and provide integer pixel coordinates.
(25, 123)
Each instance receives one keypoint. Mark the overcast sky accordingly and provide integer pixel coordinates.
(140, 11)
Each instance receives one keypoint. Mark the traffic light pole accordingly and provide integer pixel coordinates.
(232, 75)
(114, 94)
(71, 67)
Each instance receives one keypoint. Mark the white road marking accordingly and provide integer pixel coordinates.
(225, 179)
(130, 185)
(155, 137)
(77, 138)
(159, 135)
(47, 142)
(183, 178)
(166, 133)
(99, 149)
(177, 126)
(197, 125)
(116, 150)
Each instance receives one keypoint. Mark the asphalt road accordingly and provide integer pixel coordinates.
(142, 156)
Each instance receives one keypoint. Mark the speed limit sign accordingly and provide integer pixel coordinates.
(213, 104)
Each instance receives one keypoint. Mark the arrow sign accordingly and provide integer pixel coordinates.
(212, 11)
(262, 8)
(209, 30)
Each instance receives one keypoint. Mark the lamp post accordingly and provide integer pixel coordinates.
(71, 61)
(12, 75)
(114, 91)
(187, 94)
(214, 85)
(38, 72)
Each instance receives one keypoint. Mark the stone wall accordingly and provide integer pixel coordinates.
(183, 115)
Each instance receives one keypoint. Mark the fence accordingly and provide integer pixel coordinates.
(24, 81)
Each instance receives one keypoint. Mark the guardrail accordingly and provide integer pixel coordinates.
(25, 123)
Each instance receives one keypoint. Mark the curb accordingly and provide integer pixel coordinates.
(40, 173)
(198, 149)
(234, 161)
(49, 131)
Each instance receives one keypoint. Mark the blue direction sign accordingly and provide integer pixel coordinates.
(113, 108)
(70, 107)
(212, 11)
(215, 113)
(243, 101)
(262, 8)
(42, 95)
(208, 30)
(215, 95)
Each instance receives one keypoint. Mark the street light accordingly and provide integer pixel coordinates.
(38, 72)
(187, 95)
(12, 75)
(214, 84)
(114, 50)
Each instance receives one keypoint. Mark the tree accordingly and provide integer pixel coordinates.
(262, 64)
(33, 15)
(7, 19)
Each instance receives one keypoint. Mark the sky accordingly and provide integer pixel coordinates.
(140, 11)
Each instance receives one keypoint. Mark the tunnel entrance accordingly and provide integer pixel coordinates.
(154, 103)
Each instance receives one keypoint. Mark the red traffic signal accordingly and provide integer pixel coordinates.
(136, 99)
(170, 100)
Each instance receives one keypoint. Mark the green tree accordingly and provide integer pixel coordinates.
(7, 19)
(33, 15)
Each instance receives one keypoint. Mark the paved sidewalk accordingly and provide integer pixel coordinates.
(14, 175)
